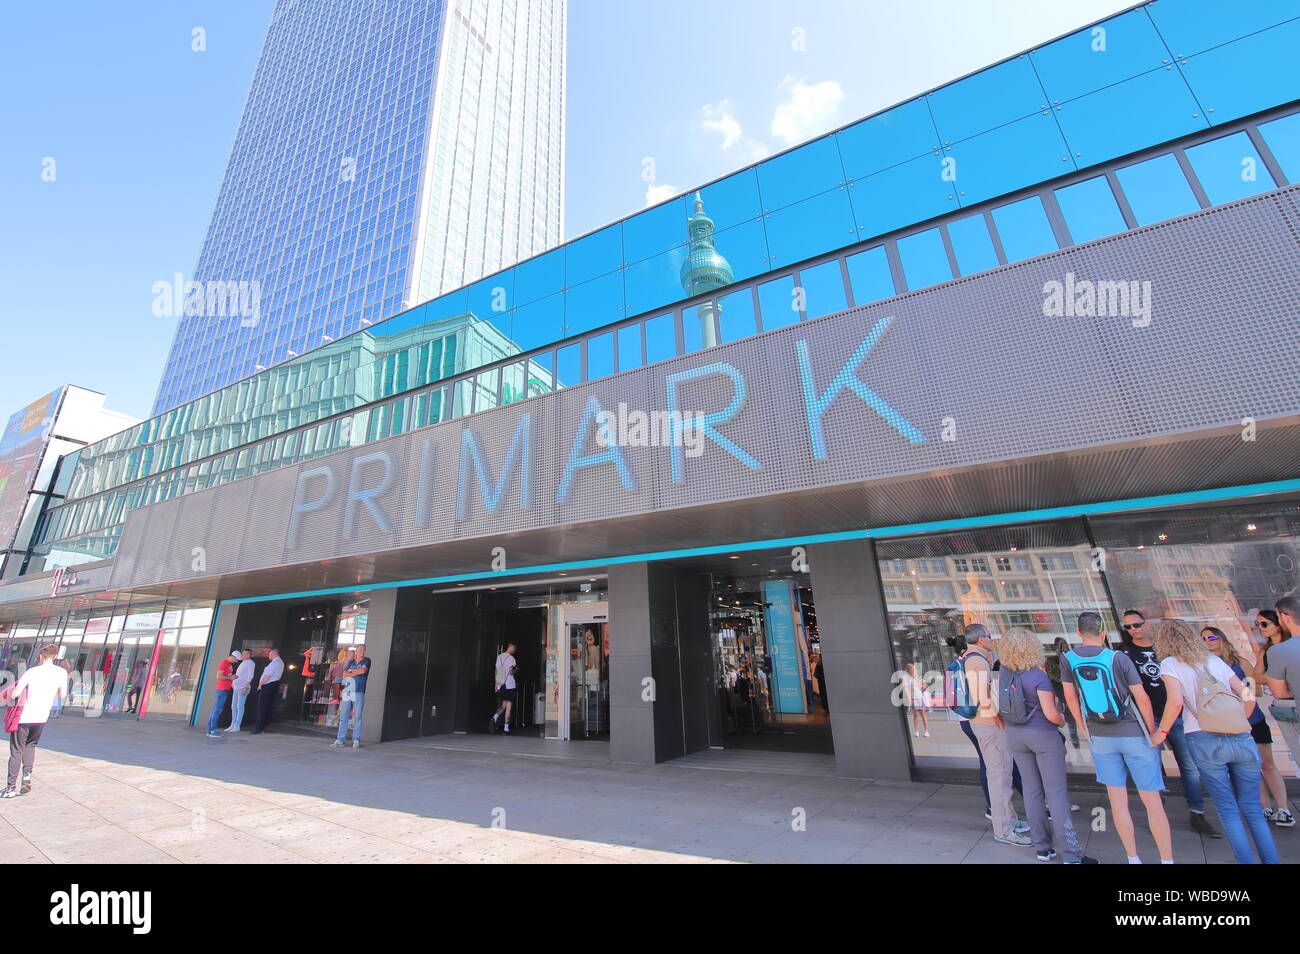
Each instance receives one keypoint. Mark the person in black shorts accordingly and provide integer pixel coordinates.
(503, 679)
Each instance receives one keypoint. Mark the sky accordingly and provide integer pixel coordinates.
(115, 130)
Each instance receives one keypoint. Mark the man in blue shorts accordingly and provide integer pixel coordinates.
(1105, 694)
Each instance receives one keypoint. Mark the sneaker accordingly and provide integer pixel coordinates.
(1047, 855)
(9, 793)
(233, 728)
(926, 734)
(337, 744)
(1269, 814)
(1283, 818)
(26, 786)
(988, 814)
(1201, 825)
(1085, 860)
(215, 735)
(917, 735)
(1022, 826)
(356, 743)
(1074, 807)
(506, 729)
(1015, 838)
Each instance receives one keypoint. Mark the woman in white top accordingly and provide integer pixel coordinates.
(914, 697)
(1201, 687)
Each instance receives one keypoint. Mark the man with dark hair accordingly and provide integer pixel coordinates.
(1103, 688)
(39, 688)
(1284, 665)
(1136, 643)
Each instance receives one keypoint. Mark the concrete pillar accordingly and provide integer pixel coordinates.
(379, 647)
(220, 642)
(869, 732)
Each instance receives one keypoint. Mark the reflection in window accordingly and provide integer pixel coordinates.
(1283, 138)
(869, 276)
(1090, 210)
(541, 377)
(512, 383)
(925, 260)
(736, 314)
(568, 366)
(972, 245)
(629, 347)
(485, 388)
(660, 339)
(592, 304)
(1229, 168)
(823, 290)
(809, 170)
(595, 254)
(1024, 230)
(1157, 190)
(700, 326)
(600, 356)
(778, 304)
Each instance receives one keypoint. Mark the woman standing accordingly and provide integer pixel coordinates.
(914, 698)
(1039, 749)
(1214, 704)
(1271, 787)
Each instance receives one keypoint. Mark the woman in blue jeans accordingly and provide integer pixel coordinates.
(1226, 756)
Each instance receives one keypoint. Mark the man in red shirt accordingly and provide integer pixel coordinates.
(225, 670)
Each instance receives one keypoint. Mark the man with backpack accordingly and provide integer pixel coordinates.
(978, 701)
(1105, 694)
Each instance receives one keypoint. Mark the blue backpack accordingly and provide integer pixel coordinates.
(957, 689)
(1098, 694)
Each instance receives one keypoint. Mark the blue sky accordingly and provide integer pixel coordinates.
(139, 127)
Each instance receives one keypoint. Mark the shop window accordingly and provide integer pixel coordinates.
(1090, 210)
(1229, 168)
(1157, 190)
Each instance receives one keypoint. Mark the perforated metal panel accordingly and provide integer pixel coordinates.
(976, 357)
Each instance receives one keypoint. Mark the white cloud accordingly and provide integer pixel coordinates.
(721, 118)
(654, 193)
(807, 109)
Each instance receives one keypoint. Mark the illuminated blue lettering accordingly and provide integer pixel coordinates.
(705, 422)
(578, 460)
(815, 405)
(472, 451)
(301, 506)
(367, 497)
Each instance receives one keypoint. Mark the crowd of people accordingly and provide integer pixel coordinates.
(1168, 684)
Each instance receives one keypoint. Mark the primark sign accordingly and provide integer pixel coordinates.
(956, 376)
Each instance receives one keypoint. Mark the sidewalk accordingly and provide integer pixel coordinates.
(138, 792)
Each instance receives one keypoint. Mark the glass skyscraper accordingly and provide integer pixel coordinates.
(388, 151)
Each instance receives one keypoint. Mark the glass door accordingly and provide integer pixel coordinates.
(577, 672)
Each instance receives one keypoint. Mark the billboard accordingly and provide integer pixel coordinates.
(21, 448)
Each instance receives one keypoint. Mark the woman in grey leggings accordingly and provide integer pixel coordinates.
(1039, 750)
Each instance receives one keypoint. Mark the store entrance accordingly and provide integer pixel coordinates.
(577, 672)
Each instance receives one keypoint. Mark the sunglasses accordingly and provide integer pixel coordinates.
(1134, 625)
(1209, 637)
(1264, 624)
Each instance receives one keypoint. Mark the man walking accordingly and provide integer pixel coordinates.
(39, 688)
(240, 688)
(504, 681)
(268, 687)
(354, 697)
(224, 669)
(1136, 643)
(1102, 687)
(991, 735)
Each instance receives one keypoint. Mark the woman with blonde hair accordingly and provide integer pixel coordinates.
(1215, 704)
(1036, 744)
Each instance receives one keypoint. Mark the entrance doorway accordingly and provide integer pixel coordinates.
(577, 672)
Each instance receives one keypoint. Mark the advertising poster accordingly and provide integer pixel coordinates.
(21, 448)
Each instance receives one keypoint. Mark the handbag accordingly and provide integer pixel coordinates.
(14, 714)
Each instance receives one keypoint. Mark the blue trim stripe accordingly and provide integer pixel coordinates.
(907, 529)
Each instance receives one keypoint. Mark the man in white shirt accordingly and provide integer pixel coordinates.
(504, 681)
(43, 685)
(268, 687)
(242, 686)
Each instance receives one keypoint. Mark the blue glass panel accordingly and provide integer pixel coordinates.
(983, 166)
(629, 347)
(1090, 210)
(1024, 230)
(987, 99)
(1190, 26)
(654, 281)
(699, 326)
(736, 315)
(1283, 138)
(1151, 108)
(1090, 60)
(654, 230)
(896, 135)
(972, 245)
(1157, 190)
(808, 170)
(823, 290)
(869, 276)
(539, 323)
(593, 255)
(568, 366)
(732, 200)
(810, 227)
(492, 298)
(539, 277)
(1229, 168)
(1247, 75)
(660, 339)
(600, 356)
(901, 196)
(778, 303)
(744, 247)
(593, 304)
(925, 261)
